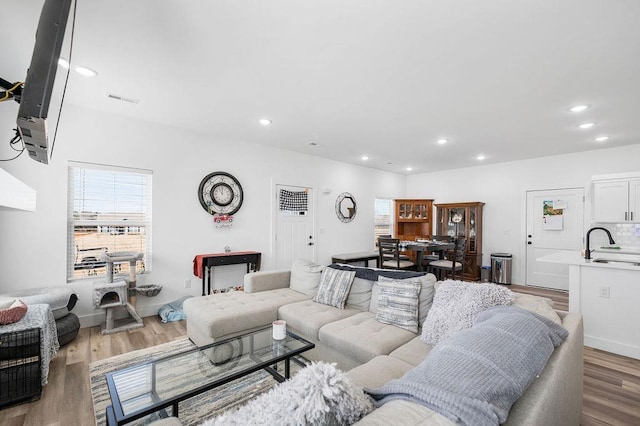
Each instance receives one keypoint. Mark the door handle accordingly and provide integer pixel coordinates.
(529, 242)
(311, 243)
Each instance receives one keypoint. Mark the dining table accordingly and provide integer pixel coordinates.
(430, 246)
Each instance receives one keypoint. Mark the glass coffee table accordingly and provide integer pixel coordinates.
(154, 386)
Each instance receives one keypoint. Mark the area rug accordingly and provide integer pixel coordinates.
(191, 412)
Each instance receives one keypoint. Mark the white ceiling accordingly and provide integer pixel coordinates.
(385, 78)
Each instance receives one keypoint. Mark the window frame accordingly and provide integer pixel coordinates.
(145, 220)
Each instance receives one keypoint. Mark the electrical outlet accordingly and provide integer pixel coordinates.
(187, 283)
(604, 292)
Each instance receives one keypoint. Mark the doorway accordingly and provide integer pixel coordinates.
(294, 237)
(555, 222)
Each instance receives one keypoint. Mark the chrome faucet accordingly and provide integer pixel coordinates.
(587, 252)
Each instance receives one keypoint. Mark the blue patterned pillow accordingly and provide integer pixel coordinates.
(334, 287)
(398, 303)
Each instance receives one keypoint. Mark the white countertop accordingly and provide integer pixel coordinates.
(575, 258)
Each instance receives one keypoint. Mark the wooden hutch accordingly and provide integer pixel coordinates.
(413, 219)
(469, 226)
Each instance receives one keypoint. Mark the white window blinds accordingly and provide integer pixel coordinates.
(109, 211)
(383, 218)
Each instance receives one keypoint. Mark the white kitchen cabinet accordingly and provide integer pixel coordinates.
(616, 201)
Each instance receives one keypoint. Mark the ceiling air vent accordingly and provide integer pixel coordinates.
(122, 98)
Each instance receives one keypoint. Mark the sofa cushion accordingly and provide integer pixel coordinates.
(308, 317)
(221, 314)
(455, 306)
(360, 293)
(361, 337)
(305, 276)
(398, 303)
(412, 352)
(334, 287)
(410, 413)
(378, 371)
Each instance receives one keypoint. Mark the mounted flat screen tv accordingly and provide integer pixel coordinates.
(36, 126)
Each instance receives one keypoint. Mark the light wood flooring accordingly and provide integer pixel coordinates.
(611, 382)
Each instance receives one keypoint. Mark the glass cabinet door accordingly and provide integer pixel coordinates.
(420, 211)
(456, 222)
(404, 211)
(471, 240)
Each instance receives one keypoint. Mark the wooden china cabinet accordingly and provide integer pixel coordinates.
(463, 220)
(413, 219)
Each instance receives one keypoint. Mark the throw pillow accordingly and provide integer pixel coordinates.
(13, 313)
(334, 287)
(455, 306)
(305, 276)
(538, 305)
(398, 303)
(428, 283)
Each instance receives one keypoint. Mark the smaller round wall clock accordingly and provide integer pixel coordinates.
(220, 192)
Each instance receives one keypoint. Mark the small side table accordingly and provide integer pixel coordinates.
(203, 263)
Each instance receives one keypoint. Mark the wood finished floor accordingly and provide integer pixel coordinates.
(611, 382)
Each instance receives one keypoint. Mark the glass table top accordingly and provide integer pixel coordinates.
(188, 373)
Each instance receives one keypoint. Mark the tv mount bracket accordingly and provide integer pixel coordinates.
(13, 90)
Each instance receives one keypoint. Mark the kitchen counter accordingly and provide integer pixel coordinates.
(575, 258)
(607, 296)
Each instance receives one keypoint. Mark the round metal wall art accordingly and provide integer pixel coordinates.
(346, 207)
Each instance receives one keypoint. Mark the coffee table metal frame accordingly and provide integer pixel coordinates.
(115, 413)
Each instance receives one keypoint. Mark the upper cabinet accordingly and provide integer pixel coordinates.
(464, 220)
(413, 219)
(616, 200)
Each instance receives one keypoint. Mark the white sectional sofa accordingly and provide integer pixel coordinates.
(373, 352)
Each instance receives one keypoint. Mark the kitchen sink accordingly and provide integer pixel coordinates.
(625, 262)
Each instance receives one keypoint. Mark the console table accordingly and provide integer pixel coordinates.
(203, 263)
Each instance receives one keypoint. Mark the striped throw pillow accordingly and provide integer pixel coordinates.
(334, 287)
(398, 303)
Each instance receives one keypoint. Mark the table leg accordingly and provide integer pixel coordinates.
(204, 278)
(419, 257)
(287, 368)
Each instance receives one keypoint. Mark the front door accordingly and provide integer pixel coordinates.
(294, 225)
(555, 222)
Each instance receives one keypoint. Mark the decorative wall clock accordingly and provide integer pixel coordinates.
(220, 192)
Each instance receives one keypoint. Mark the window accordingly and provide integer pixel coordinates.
(383, 218)
(109, 211)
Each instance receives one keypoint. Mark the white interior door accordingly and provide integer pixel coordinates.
(294, 226)
(562, 228)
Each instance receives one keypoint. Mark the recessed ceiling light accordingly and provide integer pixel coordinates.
(265, 121)
(587, 125)
(579, 108)
(409, 169)
(87, 72)
(63, 63)
(443, 141)
(602, 138)
(480, 157)
(364, 157)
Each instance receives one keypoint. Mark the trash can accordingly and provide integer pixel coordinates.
(501, 268)
(485, 274)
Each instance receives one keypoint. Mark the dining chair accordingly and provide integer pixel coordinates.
(445, 267)
(402, 256)
(428, 258)
(389, 249)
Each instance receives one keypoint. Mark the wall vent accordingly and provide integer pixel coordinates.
(122, 98)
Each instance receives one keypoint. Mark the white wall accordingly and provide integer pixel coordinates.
(503, 188)
(33, 245)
